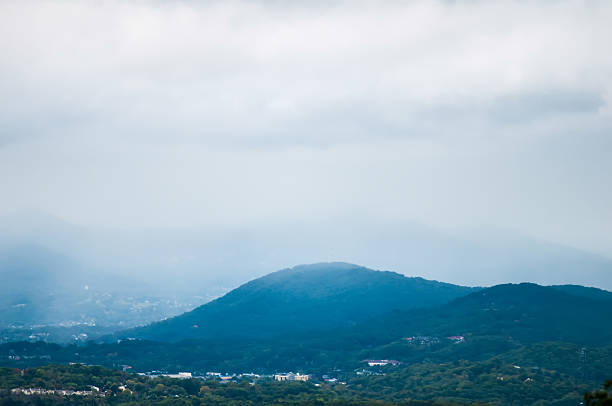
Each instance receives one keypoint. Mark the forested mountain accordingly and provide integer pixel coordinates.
(383, 306)
(303, 299)
(524, 313)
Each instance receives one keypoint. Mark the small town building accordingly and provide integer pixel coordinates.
(381, 362)
(180, 375)
(291, 377)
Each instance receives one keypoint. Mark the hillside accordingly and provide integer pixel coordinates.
(305, 298)
(492, 383)
(591, 293)
(524, 313)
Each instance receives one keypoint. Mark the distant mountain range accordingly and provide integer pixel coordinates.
(193, 259)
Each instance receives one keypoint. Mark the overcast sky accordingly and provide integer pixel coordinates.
(128, 114)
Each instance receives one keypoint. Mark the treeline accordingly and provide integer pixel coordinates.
(589, 364)
(489, 369)
(457, 383)
(119, 388)
(491, 382)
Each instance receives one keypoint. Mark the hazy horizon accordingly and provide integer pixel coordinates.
(204, 259)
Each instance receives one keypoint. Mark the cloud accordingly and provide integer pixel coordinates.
(321, 74)
(130, 113)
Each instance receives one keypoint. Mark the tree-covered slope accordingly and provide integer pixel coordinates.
(490, 382)
(523, 313)
(588, 292)
(302, 299)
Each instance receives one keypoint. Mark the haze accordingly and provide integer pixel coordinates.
(465, 141)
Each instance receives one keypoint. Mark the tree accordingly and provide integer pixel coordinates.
(600, 397)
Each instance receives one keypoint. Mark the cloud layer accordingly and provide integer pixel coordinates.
(180, 113)
(294, 73)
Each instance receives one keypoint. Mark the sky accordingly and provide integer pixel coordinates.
(257, 114)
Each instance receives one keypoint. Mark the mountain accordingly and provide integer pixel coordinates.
(302, 299)
(332, 316)
(524, 313)
(280, 323)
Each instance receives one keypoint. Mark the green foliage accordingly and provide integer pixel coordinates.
(458, 383)
(601, 397)
(491, 381)
(142, 390)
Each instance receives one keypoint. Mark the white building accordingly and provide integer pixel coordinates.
(381, 362)
(291, 377)
(180, 375)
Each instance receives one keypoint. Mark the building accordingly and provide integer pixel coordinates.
(422, 340)
(180, 375)
(381, 362)
(291, 377)
(61, 392)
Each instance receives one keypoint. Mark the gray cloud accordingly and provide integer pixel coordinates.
(319, 73)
